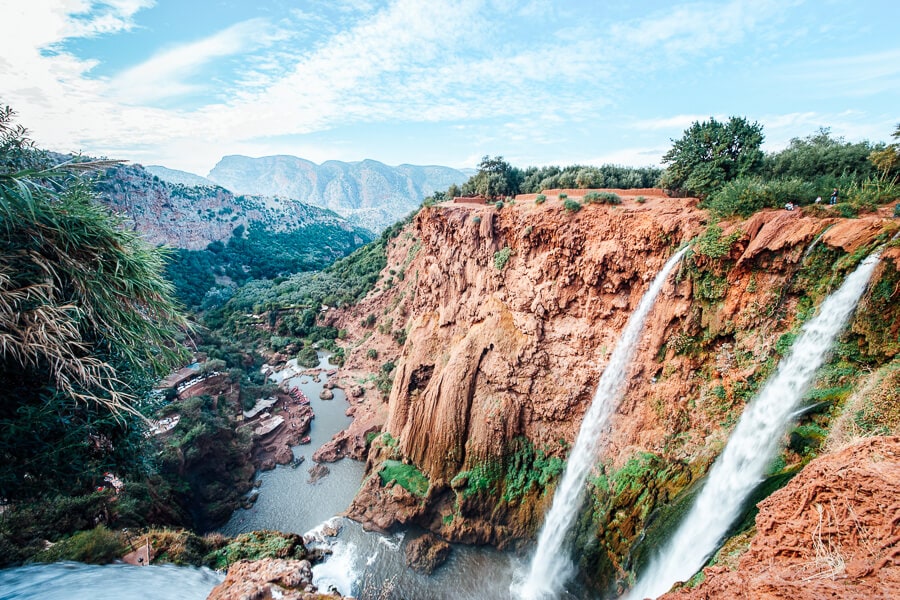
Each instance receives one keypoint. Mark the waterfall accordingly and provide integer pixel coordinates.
(753, 444)
(550, 566)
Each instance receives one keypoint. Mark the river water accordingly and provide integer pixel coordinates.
(75, 581)
(287, 500)
(366, 565)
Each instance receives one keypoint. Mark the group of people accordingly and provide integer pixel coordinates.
(833, 200)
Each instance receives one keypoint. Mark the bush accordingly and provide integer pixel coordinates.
(476, 219)
(96, 546)
(572, 206)
(540, 199)
(563, 196)
(747, 195)
(372, 353)
(501, 256)
(640, 199)
(602, 198)
(897, 210)
(499, 204)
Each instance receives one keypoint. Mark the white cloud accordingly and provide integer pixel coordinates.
(680, 122)
(165, 74)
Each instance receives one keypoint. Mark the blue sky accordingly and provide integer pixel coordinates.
(182, 83)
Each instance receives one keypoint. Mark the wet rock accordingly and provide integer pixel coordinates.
(326, 394)
(426, 553)
(284, 456)
(266, 579)
(267, 464)
(318, 472)
(357, 391)
(328, 385)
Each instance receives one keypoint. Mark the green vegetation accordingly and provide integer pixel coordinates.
(94, 546)
(723, 165)
(710, 154)
(406, 476)
(602, 198)
(540, 199)
(87, 322)
(501, 257)
(711, 244)
(257, 253)
(570, 205)
(523, 469)
(257, 545)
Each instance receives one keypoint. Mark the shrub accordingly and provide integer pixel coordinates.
(499, 204)
(540, 199)
(527, 231)
(96, 546)
(563, 196)
(476, 219)
(501, 257)
(372, 353)
(572, 206)
(640, 199)
(602, 198)
(747, 195)
(712, 244)
(897, 210)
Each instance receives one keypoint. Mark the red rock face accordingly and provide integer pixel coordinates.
(832, 532)
(499, 350)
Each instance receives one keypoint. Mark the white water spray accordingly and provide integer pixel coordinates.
(550, 567)
(753, 443)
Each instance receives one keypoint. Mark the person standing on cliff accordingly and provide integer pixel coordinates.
(834, 196)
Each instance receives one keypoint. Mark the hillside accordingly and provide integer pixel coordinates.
(494, 325)
(191, 217)
(367, 193)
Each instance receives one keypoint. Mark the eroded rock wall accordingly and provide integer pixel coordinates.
(506, 318)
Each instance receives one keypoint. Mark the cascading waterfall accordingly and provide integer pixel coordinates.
(550, 567)
(753, 444)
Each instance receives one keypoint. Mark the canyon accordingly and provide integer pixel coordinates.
(495, 321)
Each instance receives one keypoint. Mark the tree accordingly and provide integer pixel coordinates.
(495, 178)
(820, 155)
(887, 160)
(87, 322)
(711, 153)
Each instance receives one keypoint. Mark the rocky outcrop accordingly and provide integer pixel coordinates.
(832, 532)
(426, 553)
(269, 578)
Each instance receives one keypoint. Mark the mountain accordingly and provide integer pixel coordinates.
(367, 193)
(176, 176)
(191, 217)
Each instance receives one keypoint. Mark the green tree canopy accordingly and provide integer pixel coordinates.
(495, 178)
(820, 155)
(710, 154)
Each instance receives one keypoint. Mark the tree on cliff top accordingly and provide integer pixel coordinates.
(87, 322)
(710, 154)
(495, 178)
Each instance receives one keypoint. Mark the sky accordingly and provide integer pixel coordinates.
(184, 82)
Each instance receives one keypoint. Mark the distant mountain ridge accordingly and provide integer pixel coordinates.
(192, 216)
(367, 193)
(178, 177)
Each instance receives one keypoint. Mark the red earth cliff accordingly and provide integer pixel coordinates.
(494, 325)
(832, 532)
